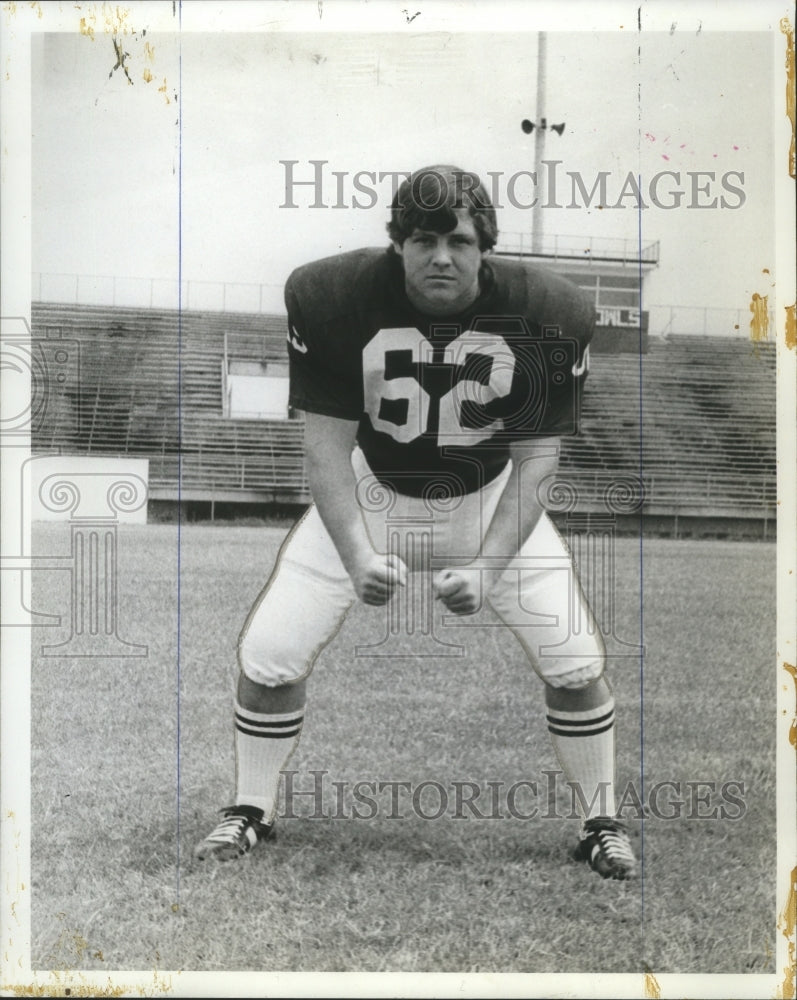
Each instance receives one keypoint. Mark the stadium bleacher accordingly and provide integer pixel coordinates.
(150, 383)
(694, 417)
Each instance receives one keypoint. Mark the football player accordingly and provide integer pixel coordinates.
(430, 369)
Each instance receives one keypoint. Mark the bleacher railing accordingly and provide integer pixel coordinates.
(157, 293)
(704, 321)
(584, 248)
(225, 296)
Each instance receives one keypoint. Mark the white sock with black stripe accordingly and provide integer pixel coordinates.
(584, 745)
(264, 743)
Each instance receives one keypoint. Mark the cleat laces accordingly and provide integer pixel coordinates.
(605, 845)
(240, 829)
(230, 830)
(616, 847)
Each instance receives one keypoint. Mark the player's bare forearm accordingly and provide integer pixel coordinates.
(328, 447)
(461, 588)
(519, 508)
(333, 485)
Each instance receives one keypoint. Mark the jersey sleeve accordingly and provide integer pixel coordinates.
(574, 319)
(321, 381)
(551, 368)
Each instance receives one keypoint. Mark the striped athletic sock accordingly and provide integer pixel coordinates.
(584, 745)
(264, 743)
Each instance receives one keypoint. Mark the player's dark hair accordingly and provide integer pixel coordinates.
(428, 198)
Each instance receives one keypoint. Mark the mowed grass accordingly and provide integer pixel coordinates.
(124, 785)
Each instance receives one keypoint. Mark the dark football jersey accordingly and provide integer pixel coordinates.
(438, 401)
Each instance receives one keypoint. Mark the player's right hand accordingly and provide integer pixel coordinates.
(376, 577)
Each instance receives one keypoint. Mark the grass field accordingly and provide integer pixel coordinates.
(114, 882)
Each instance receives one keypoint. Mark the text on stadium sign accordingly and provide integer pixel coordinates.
(617, 317)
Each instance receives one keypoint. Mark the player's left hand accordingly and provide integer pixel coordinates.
(459, 589)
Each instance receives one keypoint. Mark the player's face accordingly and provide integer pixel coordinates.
(441, 270)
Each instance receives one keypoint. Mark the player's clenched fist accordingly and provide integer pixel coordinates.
(459, 589)
(376, 577)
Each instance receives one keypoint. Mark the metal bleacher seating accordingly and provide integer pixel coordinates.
(693, 418)
(150, 383)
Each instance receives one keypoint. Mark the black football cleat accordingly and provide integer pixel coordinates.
(240, 829)
(605, 846)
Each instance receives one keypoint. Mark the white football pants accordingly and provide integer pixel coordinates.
(309, 593)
